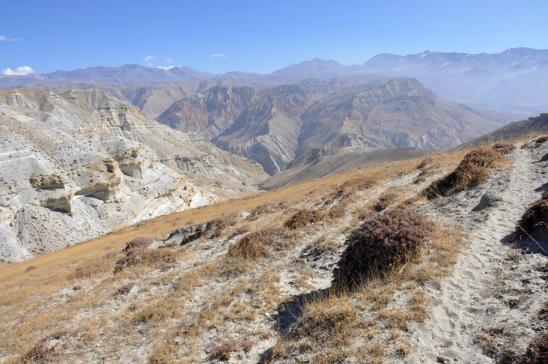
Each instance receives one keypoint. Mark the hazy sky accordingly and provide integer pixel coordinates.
(259, 36)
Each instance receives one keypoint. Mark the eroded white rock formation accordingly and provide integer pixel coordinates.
(78, 164)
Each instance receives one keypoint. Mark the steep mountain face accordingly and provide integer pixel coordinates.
(394, 113)
(78, 163)
(533, 125)
(209, 113)
(268, 130)
(276, 125)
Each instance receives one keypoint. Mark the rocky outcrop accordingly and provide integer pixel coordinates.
(51, 182)
(75, 164)
(133, 162)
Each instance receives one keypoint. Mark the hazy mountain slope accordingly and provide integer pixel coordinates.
(395, 113)
(513, 130)
(511, 80)
(209, 113)
(313, 69)
(78, 163)
(315, 165)
(275, 125)
(153, 100)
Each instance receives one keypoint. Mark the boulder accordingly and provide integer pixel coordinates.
(489, 199)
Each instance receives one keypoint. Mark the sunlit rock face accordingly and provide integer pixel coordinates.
(76, 164)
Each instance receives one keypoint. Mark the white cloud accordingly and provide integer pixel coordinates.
(169, 60)
(165, 68)
(148, 60)
(4, 38)
(218, 56)
(19, 71)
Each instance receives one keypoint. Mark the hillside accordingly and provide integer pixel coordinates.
(286, 276)
(317, 163)
(275, 126)
(78, 164)
(533, 125)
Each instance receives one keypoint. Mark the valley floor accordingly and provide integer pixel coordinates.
(250, 280)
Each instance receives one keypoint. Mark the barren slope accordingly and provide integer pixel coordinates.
(78, 164)
(256, 284)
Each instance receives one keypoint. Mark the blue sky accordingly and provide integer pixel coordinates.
(257, 36)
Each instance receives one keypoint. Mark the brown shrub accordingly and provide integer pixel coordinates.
(474, 168)
(534, 221)
(504, 148)
(255, 244)
(137, 252)
(89, 270)
(385, 200)
(421, 177)
(537, 352)
(325, 319)
(125, 289)
(43, 348)
(238, 231)
(535, 143)
(261, 210)
(138, 242)
(426, 162)
(337, 211)
(222, 351)
(541, 139)
(356, 184)
(304, 217)
(379, 244)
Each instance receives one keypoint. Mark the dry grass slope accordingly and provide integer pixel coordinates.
(475, 167)
(171, 301)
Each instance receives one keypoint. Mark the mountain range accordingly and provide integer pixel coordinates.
(512, 80)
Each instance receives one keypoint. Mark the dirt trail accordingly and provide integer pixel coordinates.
(470, 300)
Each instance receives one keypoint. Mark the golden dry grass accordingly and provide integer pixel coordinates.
(475, 167)
(374, 314)
(26, 287)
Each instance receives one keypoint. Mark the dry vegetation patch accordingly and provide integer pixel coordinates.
(44, 348)
(385, 200)
(303, 218)
(224, 350)
(381, 243)
(534, 221)
(357, 184)
(504, 148)
(370, 321)
(256, 244)
(537, 352)
(475, 167)
(138, 253)
(326, 319)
